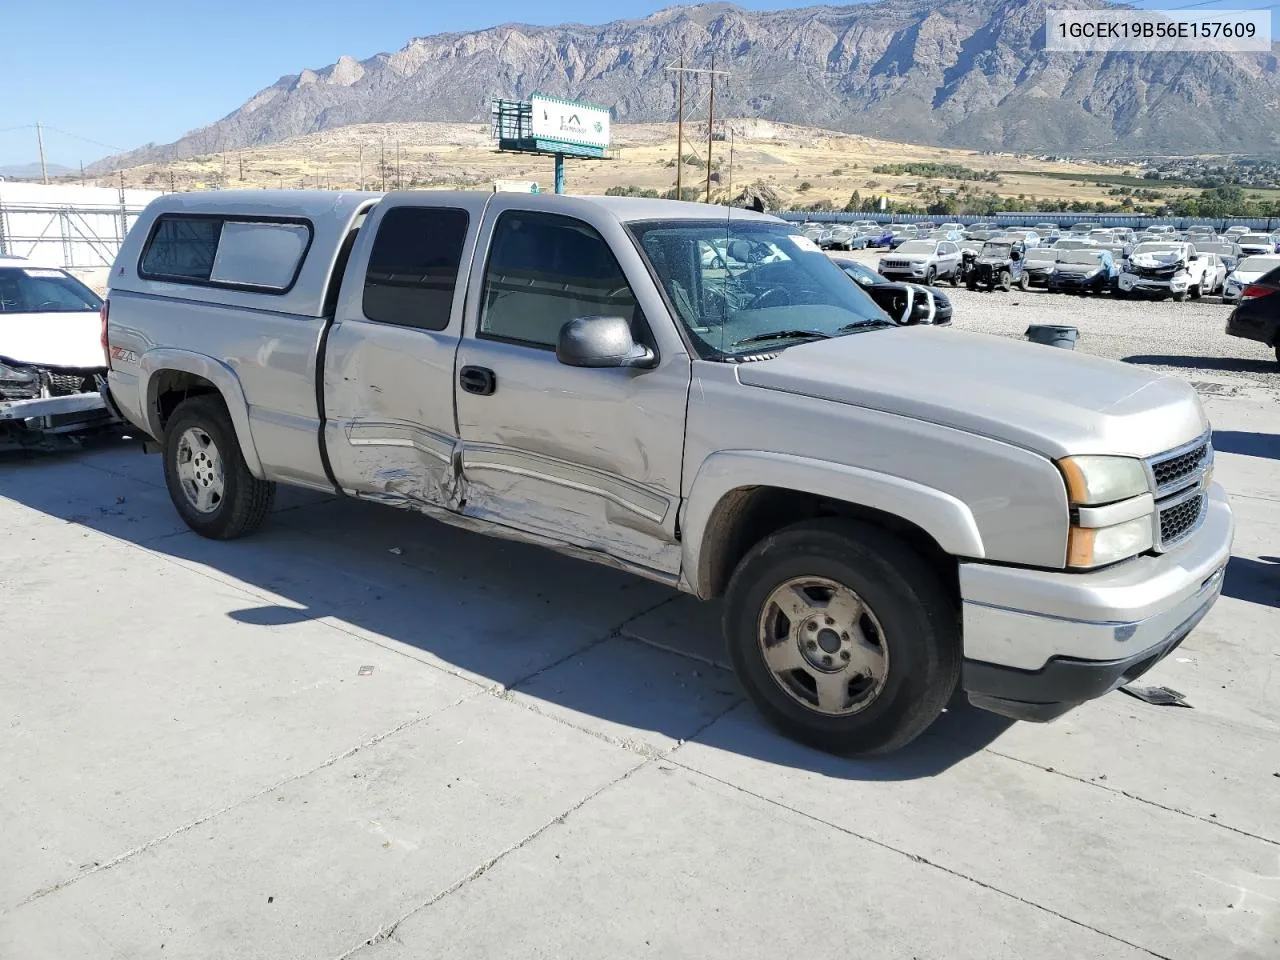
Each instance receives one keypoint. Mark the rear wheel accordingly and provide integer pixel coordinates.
(208, 480)
(1005, 281)
(843, 636)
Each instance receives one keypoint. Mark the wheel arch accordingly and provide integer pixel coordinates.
(738, 497)
(170, 376)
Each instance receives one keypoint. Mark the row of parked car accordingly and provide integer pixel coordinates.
(1156, 264)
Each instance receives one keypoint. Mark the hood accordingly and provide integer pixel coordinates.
(1165, 258)
(72, 340)
(1054, 401)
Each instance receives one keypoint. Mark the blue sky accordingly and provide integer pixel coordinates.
(118, 75)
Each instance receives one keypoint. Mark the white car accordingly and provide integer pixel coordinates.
(1246, 272)
(1215, 273)
(1073, 243)
(1256, 244)
(1029, 238)
(1236, 232)
(1165, 269)
(51, 356)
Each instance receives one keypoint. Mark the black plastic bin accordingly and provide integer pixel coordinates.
(1053, 336)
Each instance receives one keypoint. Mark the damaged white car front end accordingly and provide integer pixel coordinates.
(52, 366)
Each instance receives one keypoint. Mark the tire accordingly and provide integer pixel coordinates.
(908, 617)
(955, 279)
(930, 276)
(1006, 280)
(201, 453)
(1024, 283)
(1195, 292)
(971, 283)
(1180, 297)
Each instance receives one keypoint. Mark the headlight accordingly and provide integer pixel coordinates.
(1097, 546)
(19, 382)
(1094, 480)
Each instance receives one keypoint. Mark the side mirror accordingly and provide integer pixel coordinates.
(601, 342)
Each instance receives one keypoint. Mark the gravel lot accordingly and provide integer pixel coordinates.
(1186, 338)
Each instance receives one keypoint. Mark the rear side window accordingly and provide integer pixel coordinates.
(413, 268)
(242, 253)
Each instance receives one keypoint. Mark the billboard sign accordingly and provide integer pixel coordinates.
(568, 122)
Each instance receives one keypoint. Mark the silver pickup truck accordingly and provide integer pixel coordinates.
(887, 511)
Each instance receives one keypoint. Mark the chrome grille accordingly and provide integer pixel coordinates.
(1180, 518)
(1179, 467)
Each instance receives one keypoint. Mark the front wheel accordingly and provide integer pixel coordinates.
(1195, 292)
(930, 276)
(1024, 283)
(1006, 280)
(208, 480)
(844, 638)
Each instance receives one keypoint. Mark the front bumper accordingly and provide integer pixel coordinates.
(1132, 283)
(1037, 643)
(50, 406)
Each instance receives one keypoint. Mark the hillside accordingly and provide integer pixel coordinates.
(957, 72)
(802, 166)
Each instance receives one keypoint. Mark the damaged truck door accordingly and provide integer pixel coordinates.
(585, 454)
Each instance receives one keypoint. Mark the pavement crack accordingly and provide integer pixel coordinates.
(390, 930)
(141, 848)
(1133, 796)
(921, 859)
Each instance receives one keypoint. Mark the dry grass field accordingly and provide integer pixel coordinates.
(452, 155)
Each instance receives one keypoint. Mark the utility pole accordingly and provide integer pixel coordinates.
(680, 134)
(731, 163)
(711, 119)
(44, 170)
(680, 71)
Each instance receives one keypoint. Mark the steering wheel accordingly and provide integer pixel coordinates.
(772, 293)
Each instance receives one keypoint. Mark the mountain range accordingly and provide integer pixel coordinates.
(970, 73)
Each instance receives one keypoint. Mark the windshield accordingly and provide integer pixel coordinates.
(1257, 264)
(918, 246)
(996, 249)
(1072, 244)
(1158, 248)
(772, 288)
(1257, 239)
(1083, 257)
(41, 290)
(1221, 249)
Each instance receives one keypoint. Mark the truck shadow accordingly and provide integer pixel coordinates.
(1254, 581)
(606, 651)
(1227, 364)
(1247, 443)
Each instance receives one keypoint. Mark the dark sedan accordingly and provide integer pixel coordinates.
(1258, 315)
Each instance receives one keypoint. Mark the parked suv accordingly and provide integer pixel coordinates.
(888, 512)
(1159, 269)
(924, 260)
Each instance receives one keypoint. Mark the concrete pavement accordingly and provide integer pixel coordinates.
(308, 745)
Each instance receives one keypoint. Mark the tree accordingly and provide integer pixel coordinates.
(805, 186)
(854, 204)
